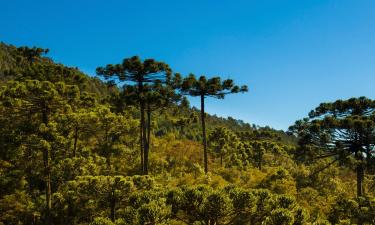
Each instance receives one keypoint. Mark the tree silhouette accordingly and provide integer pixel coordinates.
(212, 87)
(342, 129)
(135, 72)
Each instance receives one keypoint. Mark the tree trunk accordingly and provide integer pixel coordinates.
(147, 144)
(360, 176)
(203, 117)
(360, 189)
(260, 164)
(142, 124)
(260, 159)
(113, 207)
(47, 171)
(221, 159)
(48, 184)
(108, 160)
(75, 141)
(141, 137)
(144, 139)
(181, 131)
(360, 172)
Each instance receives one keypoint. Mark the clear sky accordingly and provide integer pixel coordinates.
(293, 54)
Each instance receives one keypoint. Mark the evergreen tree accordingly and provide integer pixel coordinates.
(342, 129)
(40, 101)
(203, 88)
(222, 141)
(139, 73)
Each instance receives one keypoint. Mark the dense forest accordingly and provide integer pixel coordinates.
(126, 147)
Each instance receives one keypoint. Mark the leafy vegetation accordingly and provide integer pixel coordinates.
(127, 149)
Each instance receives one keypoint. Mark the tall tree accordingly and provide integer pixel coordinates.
(158, 96)
(341, 129)
(212, 87)
(40, 101)
(133, 71)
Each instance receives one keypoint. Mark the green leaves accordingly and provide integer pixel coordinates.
(146, 88)
(233, 205)
(212, 87)
(343, 129)
(359, 210)
(135, 70)
(221, 141)
(204, 87)
(69, 153)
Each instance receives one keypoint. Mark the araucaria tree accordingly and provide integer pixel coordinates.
(156, 96)
(37, 103)
(137, 73)
(212, 87)
(343, 130)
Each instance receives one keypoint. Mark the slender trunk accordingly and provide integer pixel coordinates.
(141, 139)
(260, 164)
(147, 147)
(48, 184)
(360, 176)
(221, 159)
(71, 213)
(108, 159)
(203, 117)
(148, 127)
(47, 171)
(360, 188)
(360, 172)
(144, 139)
(75, 141)
(113, 207)
(142, 124)
(106, 151)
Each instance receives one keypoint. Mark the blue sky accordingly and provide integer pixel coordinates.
(292, 54)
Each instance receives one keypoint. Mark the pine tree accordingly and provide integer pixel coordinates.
(341, 129)
(203, 88)
(40, 101)
(133, 71)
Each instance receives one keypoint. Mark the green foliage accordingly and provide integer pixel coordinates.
(17, 208)
(359, 210)
(70, 152)
(145, 89)
(25, 63)
(222, 141)
(203, 88)
(343, 129)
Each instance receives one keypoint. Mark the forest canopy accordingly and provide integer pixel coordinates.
(125, 147)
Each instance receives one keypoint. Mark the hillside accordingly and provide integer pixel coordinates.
(15, 64)
(24, 63)
(74, 151)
